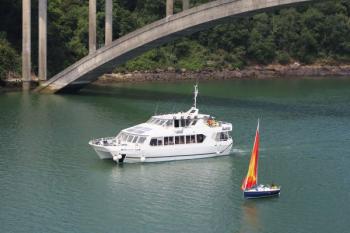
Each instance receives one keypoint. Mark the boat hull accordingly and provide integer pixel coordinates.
(103, 152)
(249, 194)
(138, 159)
(142, 156)
(128, 150)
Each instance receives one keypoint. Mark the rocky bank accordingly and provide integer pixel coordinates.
(260, 72)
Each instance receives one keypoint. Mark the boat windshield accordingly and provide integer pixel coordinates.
(130, 138)
(169, 123)
(161, 122)
(152, 120)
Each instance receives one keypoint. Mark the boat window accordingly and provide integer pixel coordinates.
(222, 136)
(193, 111)
(141, 140)
(200, 138)
(161, 122)
(193, 138)
(182, 139)
(160, 141)
(194, 122)
(169, 123)
(188, 139)
(188, 121)
(120, 136)
(135, 139)
(166, 141)
(176, 123)
(130, 137)
(225, 136)
(125, 136)
(156, 121)
(183, 122)
(171, 140)
(153, 142)
(177, 139)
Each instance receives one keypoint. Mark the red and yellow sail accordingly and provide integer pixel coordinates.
(252, 176)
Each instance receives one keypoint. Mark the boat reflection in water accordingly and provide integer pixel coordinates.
(250, 218)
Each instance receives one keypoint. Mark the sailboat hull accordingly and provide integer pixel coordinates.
(253, 193)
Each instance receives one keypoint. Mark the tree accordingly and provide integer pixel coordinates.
(9, 58)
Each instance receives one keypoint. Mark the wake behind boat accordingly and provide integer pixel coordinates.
(250, 186)
(168, 137)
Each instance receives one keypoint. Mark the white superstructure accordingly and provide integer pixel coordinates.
(177, 136)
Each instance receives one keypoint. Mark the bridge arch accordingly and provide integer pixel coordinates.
(105, 59)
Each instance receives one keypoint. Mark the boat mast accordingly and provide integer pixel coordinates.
(195, 95)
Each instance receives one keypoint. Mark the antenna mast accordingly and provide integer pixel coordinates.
(195, 95)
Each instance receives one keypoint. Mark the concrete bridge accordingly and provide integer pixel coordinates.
(105, 59)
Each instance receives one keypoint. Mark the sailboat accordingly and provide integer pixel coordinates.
(250, 186)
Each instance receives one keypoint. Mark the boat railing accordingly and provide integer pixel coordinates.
(130, 149)
(108, 141)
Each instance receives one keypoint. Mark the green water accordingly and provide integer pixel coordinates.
(51, 181)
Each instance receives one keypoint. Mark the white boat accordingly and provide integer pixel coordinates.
(168, 137)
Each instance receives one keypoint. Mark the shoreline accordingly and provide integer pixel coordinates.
(171, 75)
(251, 72)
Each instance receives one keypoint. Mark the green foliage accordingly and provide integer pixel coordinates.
(193, 58)
(261, 49)
(9, 58)
(283, 57)
(236, 58)
(183, 53)
(67, 33)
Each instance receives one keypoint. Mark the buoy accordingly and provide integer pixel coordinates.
(115, 158)
(143, 158)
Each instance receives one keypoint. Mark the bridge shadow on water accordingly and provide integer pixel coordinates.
(294, 109)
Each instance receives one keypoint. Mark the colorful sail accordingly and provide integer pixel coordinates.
(252, 176)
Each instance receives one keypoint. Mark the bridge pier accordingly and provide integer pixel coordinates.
(185, 4)
(42, 40)
(26, 45)
(169, 7)
(92, 26)
(109, 22)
